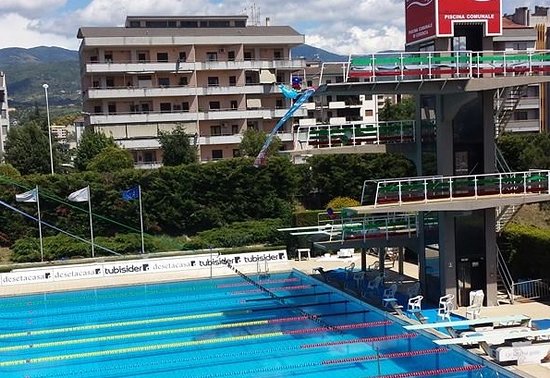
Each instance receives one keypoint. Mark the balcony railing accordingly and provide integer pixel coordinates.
(454, 64)
(449, 188)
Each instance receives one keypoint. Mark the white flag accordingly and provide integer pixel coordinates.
(82, 195)
(29, 196)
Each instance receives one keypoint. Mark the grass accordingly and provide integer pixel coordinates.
(532, 215)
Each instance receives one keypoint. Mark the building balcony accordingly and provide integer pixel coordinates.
(148, 67)
(239, 90)
(530, 125)
(131, 92)
(529, 103)
(178, 116)
(219, 139)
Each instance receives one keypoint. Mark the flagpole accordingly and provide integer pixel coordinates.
(91, 225)
(141, 221)
(39, 225)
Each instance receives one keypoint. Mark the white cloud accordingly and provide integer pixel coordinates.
(30, 8)
(17, 33)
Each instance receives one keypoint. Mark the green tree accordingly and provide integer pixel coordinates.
(253, 140)
(401, 111)
(111, 159)
(28, 149)
(9, 171)
(176, 147)
(91, 144)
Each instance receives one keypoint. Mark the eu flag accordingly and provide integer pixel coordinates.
(130, 194)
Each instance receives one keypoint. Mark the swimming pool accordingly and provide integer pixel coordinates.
(288, 325)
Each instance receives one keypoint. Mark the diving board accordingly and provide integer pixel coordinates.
(494, 338)
(470, 322)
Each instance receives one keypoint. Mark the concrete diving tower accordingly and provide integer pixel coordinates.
(457, 184)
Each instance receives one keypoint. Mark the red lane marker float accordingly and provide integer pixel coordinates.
(363, 340)
(284, 288)
(412, 353)
(337, 327)
(270, 281)
(424, 373)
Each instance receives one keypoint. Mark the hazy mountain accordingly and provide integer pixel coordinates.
(41, 54)
(316, 54)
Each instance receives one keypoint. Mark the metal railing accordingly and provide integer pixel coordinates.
(426, 189)
(447, 64)
(355, 134)
(505, 276)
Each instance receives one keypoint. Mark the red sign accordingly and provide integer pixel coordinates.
(420, 20)
(488, 12)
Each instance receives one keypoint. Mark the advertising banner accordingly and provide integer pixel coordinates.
(113, 269)
(420, 20)
(469, 11)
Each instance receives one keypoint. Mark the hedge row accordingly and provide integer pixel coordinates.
(526, 250)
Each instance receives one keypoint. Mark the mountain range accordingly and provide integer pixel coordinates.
(28, 69)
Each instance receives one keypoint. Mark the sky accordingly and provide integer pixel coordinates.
(339, 26)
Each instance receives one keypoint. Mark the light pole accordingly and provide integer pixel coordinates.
(45, 86)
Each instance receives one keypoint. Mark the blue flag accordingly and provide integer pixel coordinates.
(130, 194)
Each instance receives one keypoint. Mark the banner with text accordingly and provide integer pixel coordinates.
(488, 12)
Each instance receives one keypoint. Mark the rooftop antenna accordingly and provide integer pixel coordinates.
(253, 13)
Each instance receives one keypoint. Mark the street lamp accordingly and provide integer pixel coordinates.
(45, 86)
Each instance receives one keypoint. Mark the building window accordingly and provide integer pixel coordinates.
(211, 56)
(162, 57)
(234, 104)
(215, 130)
(234, 129)
(183, 81)
(277, 55)
(182, 56)
(98, 109)
(111, 108)
(185, 106)
(142, 57)
(310, 83)
(134, 108)
(521, 116)
(369, 113)
(148, 157)
(110, 82)
(95, 84)
(279, 103)
(164, 82)
(231, 56)
(232, 81)
(252, 126)
(145, 108)
(248, 55)
(214, 105)
(165, 107)
(236, 152)
(280, 78)
(213, 81)
(108, 57)
(217, 154)
(94, 59)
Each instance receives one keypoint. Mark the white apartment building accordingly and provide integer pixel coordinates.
(4, 115)
(213, 75)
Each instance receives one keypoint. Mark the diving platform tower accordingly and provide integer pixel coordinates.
(455, 78)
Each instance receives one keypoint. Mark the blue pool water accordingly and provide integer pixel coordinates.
(290, 326)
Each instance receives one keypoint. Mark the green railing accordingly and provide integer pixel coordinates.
(426, 189)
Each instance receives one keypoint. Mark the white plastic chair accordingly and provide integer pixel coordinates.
(446, 305)
(476, 302)
(415, 304)
(374, 284)
(389, 295)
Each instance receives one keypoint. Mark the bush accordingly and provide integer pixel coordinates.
(243, 233)
(341, 202)
(306, 218)
(526, 250)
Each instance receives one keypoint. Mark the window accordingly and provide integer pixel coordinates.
(280, 78)
(310, 83)
(277, 55)
(94, 59)
(165, 107)
(183, 81)
(145, 108)
(95, 84)
(279, 103)
(236, 152)
(217, 154)
(215, 130)
(234, 129)
(98, 109)
(368, 97)
(110, 82)
(231, 56)
(148, 157)
(162, 57)
(213, 81)
(248, 55)
(182, 56)
(211, 56)
(164, 82)
(214, 105)
(111, 108)
(252, 126)
(232, 81)
(142, 57)
(108, 57)
(521, 116)
(368, 113)
(234, 104)
(134, 108)
(185, 106)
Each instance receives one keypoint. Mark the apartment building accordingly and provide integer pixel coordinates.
(4, 115)
(528, 30)
(215, 76)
